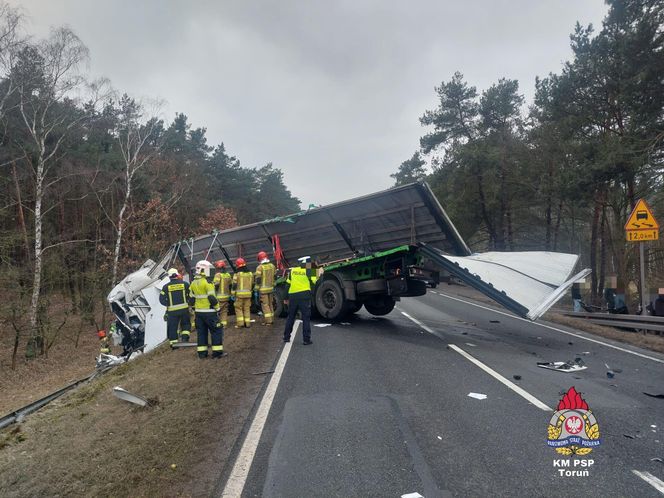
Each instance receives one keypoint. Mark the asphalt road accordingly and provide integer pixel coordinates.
(380, 407)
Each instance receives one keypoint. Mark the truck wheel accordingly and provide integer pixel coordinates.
(354, 306)
(379, 305)
(278, 302)
(330, 301)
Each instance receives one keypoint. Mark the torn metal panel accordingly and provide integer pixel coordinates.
(527, 283)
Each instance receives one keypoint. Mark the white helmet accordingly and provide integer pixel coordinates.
(304, 259)
(204, 267)
(172, 272)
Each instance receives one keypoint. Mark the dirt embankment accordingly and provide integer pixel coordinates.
(90, 443)
(35, 378)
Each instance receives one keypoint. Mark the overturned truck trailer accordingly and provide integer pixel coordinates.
(370, 251)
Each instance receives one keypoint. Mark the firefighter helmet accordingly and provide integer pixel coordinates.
(239, 262)
(219, 264)
(262, 256)
(172, 272)
(304, 259)
(203, 267)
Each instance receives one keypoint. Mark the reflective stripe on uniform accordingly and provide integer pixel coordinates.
(185, 332)
(217, 348)
(202, 349)
(222, 282)
(177, 307)
(300, 280)
(174, 341)
(200, 289)
(243, 283)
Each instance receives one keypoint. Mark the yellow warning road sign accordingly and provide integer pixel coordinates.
(641, 224)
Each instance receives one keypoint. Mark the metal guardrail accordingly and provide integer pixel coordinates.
(639, 322)
(17, 415)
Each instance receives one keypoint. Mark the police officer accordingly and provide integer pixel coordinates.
(175, 295)
(265, 273)
(301, 281)
(243, 281)
(222, 283)
(203, 300)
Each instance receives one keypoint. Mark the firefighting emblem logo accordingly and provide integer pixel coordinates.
(573, 429)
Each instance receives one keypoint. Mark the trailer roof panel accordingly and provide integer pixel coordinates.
(401, 215)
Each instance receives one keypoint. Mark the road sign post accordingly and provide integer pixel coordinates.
(641, 226)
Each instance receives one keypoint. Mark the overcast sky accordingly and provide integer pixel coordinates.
(328, 91)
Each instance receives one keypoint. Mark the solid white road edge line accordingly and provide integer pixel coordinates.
(650, 479)
(418, 323)
(524, 394)
(521, 392)
(659, 360)
(238, 476)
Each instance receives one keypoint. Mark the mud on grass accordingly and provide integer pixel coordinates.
(90, 443)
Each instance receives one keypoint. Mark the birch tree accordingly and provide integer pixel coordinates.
(140, 139)
(49, 79)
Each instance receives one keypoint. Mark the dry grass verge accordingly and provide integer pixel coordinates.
(90, 443)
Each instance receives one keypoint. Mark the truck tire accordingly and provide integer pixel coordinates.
(278, 302)
(379, 305)
(330, 300)
(354, 306)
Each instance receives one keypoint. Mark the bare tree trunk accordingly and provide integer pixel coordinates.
(21, 217)
(593, 245)
(485, 214)
(602, 252)
(120, 225)
(556, 231)
(33, 313)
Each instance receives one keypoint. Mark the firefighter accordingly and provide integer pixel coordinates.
(202, 298)
(265, 273)
(243, 281)
(222, 284)
(104, 346)
(175, 296)
(301, 281)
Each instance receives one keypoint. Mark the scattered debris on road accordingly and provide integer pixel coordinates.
(584, 353)
(477, 395)
(263, 373)
(516, 377)
(125, 395)
(345, 323)
(570, 343)
(470, 344)
(323, 325)
(412, 495)
(575, 365)
(439, 438)
(628, 436)
(494, 321)
(659, 396)
(657, 459)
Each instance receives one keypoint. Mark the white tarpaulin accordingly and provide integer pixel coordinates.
(534, 279)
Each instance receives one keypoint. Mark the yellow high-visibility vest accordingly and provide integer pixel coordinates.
(301, 280)
(200, 289)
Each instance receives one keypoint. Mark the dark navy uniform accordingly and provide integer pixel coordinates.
(174, 295)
